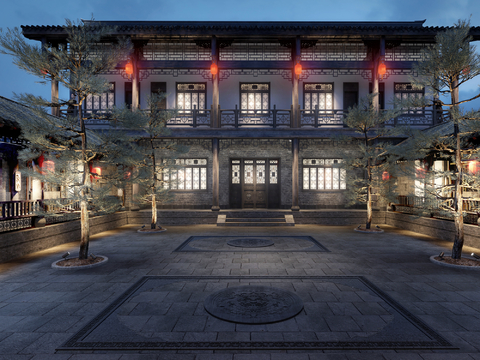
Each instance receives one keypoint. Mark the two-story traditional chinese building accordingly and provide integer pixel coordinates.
(260, 103)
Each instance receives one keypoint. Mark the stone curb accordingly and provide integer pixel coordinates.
(147, 231)
(57, 267)
(377, 231)
(463, 267)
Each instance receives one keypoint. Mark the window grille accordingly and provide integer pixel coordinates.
(406, 52)
(99, 103)
(255, 96)
(191, 95)
(320, 94)
(335, 52)
(406, 91)
(189, 174)
(255, 52)
(176, 51)
(323, 174)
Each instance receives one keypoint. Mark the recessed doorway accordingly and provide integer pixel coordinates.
(254, 183)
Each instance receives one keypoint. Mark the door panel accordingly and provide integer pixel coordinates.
(254, 184)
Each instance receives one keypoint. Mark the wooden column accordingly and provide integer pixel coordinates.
(295, 150)
(54, 91)
(215, 175)
(135, 90)
(215, 91)
(375, 86)
(378, 55)
(55, 111)
(296, 57)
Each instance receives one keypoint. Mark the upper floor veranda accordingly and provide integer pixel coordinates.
(261, 74)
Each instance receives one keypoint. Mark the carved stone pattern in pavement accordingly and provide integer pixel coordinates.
(250, 242)
(253, 304)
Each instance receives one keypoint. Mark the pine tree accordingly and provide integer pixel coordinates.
(150, 154)
(448, 64)
(76, 65)
(369, 167)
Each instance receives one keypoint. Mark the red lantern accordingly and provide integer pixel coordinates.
(214, 69)
(473, 167)
(96, 171)
(382, 69)
(49, 165)
(298, 69)
(466, 71)
(129, 68)
(40, 160)
(385, 176)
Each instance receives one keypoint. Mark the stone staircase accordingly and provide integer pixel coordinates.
(255, 218)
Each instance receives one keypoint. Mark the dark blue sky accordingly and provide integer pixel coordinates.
(53, 12)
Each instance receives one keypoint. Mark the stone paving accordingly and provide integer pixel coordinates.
(369, 286)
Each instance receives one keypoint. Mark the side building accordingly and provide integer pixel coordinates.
(260, 104)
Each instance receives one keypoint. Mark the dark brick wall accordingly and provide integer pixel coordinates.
(258, 149)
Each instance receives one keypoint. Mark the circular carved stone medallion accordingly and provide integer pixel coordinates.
(253, 304)
(250, 242)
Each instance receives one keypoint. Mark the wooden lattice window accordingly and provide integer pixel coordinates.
(323, 174)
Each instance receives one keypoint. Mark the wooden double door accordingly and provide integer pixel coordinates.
(254, 183)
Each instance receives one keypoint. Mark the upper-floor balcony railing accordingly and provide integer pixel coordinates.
(274, 118)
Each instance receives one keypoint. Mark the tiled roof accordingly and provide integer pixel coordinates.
(11, 110)
(258, 28)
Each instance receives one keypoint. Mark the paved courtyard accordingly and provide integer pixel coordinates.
(363, 296)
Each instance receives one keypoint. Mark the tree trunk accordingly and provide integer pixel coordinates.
(84, 221)
(369, 207)
(153, 225)
(154, 212)
(459, 229)
(458, 200)
(84, 230)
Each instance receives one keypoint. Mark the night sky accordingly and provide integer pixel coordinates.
(53, 12)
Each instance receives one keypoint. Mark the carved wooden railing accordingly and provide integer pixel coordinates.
(26, 208)
(273, 118)
(18, 209)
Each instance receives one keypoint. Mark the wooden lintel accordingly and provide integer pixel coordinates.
(159, 64)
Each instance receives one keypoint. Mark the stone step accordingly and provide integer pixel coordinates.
(286, 220)
(255, 224)
(279, 219)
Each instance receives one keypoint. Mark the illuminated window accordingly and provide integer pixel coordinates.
(318, 94)
(255, 96)
(186, 174)
(191, 96)
(323, 174)
(100, 103)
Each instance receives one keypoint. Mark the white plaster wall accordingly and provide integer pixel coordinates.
(280, 88)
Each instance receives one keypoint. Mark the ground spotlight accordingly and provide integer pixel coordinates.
(93, 256)
(476, 256)
(65, 255)
(441, 255)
